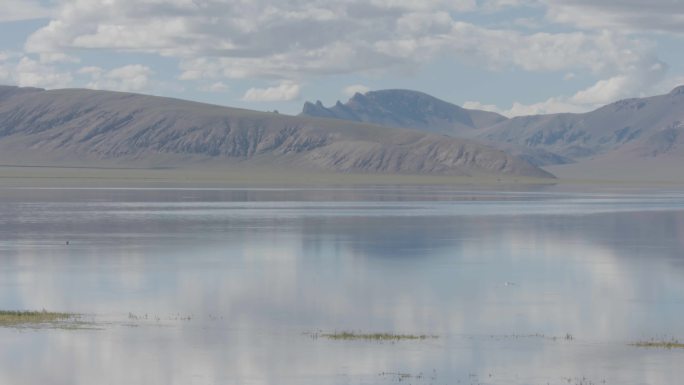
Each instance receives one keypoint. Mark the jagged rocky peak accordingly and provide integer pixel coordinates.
(358, 97)
(404, 102)
(407, 109)
(315, 109)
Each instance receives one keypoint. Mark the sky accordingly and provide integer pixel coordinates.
(516, 57)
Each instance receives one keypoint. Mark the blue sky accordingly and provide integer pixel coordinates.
(516, 57)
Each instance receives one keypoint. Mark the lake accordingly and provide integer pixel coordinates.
(530, 285)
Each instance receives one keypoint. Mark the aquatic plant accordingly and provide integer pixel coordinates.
(350, 336)
(660, 344)
(17, 318)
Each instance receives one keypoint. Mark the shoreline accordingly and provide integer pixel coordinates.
(40, 175)
(13, 176)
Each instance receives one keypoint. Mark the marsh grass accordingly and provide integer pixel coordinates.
(657, 344)
(378, 337)
(32, 318)
(567, 337)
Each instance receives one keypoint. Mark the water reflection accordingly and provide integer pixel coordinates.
(489, 272)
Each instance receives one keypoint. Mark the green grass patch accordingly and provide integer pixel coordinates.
(28, 318)
(655, 344)
(381, 337)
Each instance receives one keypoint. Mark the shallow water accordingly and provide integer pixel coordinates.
(226, 286)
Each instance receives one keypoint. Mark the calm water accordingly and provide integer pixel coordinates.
(226, 286)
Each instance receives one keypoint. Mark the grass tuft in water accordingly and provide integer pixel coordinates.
(657, 344)
(352, 336)
(23, 318)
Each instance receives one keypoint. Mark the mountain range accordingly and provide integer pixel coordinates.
(420, 111)
(388, 132)
(645, 127)
(632, 132)
(77, 127)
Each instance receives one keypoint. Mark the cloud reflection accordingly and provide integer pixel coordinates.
(254, 284)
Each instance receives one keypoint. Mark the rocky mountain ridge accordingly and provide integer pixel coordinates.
(77, 127)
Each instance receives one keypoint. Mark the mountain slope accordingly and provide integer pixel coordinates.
(407, 109)
(419, 111)
(639, 127)
(79, 127)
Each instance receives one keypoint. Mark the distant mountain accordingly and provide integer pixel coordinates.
(419, 111)
(643, 127)
(407, 109)
(86, 127)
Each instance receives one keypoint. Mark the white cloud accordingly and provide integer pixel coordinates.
(31, 73)
(669, 84)
(289, 41)
(426, 5)
(91, 70)
(354, 89)
(4, 72)
(134, 77)
(57, 57)
(625, 15)
(10, 55)
(639, 81)
(543, 51)
(17, 10)
(528, 23)
(4, 67)
(215, 87)
(297, 39)
(549, 106)
(625, 71)
(473, 105)
(603, 91)
(497, 5)
(285, 91)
